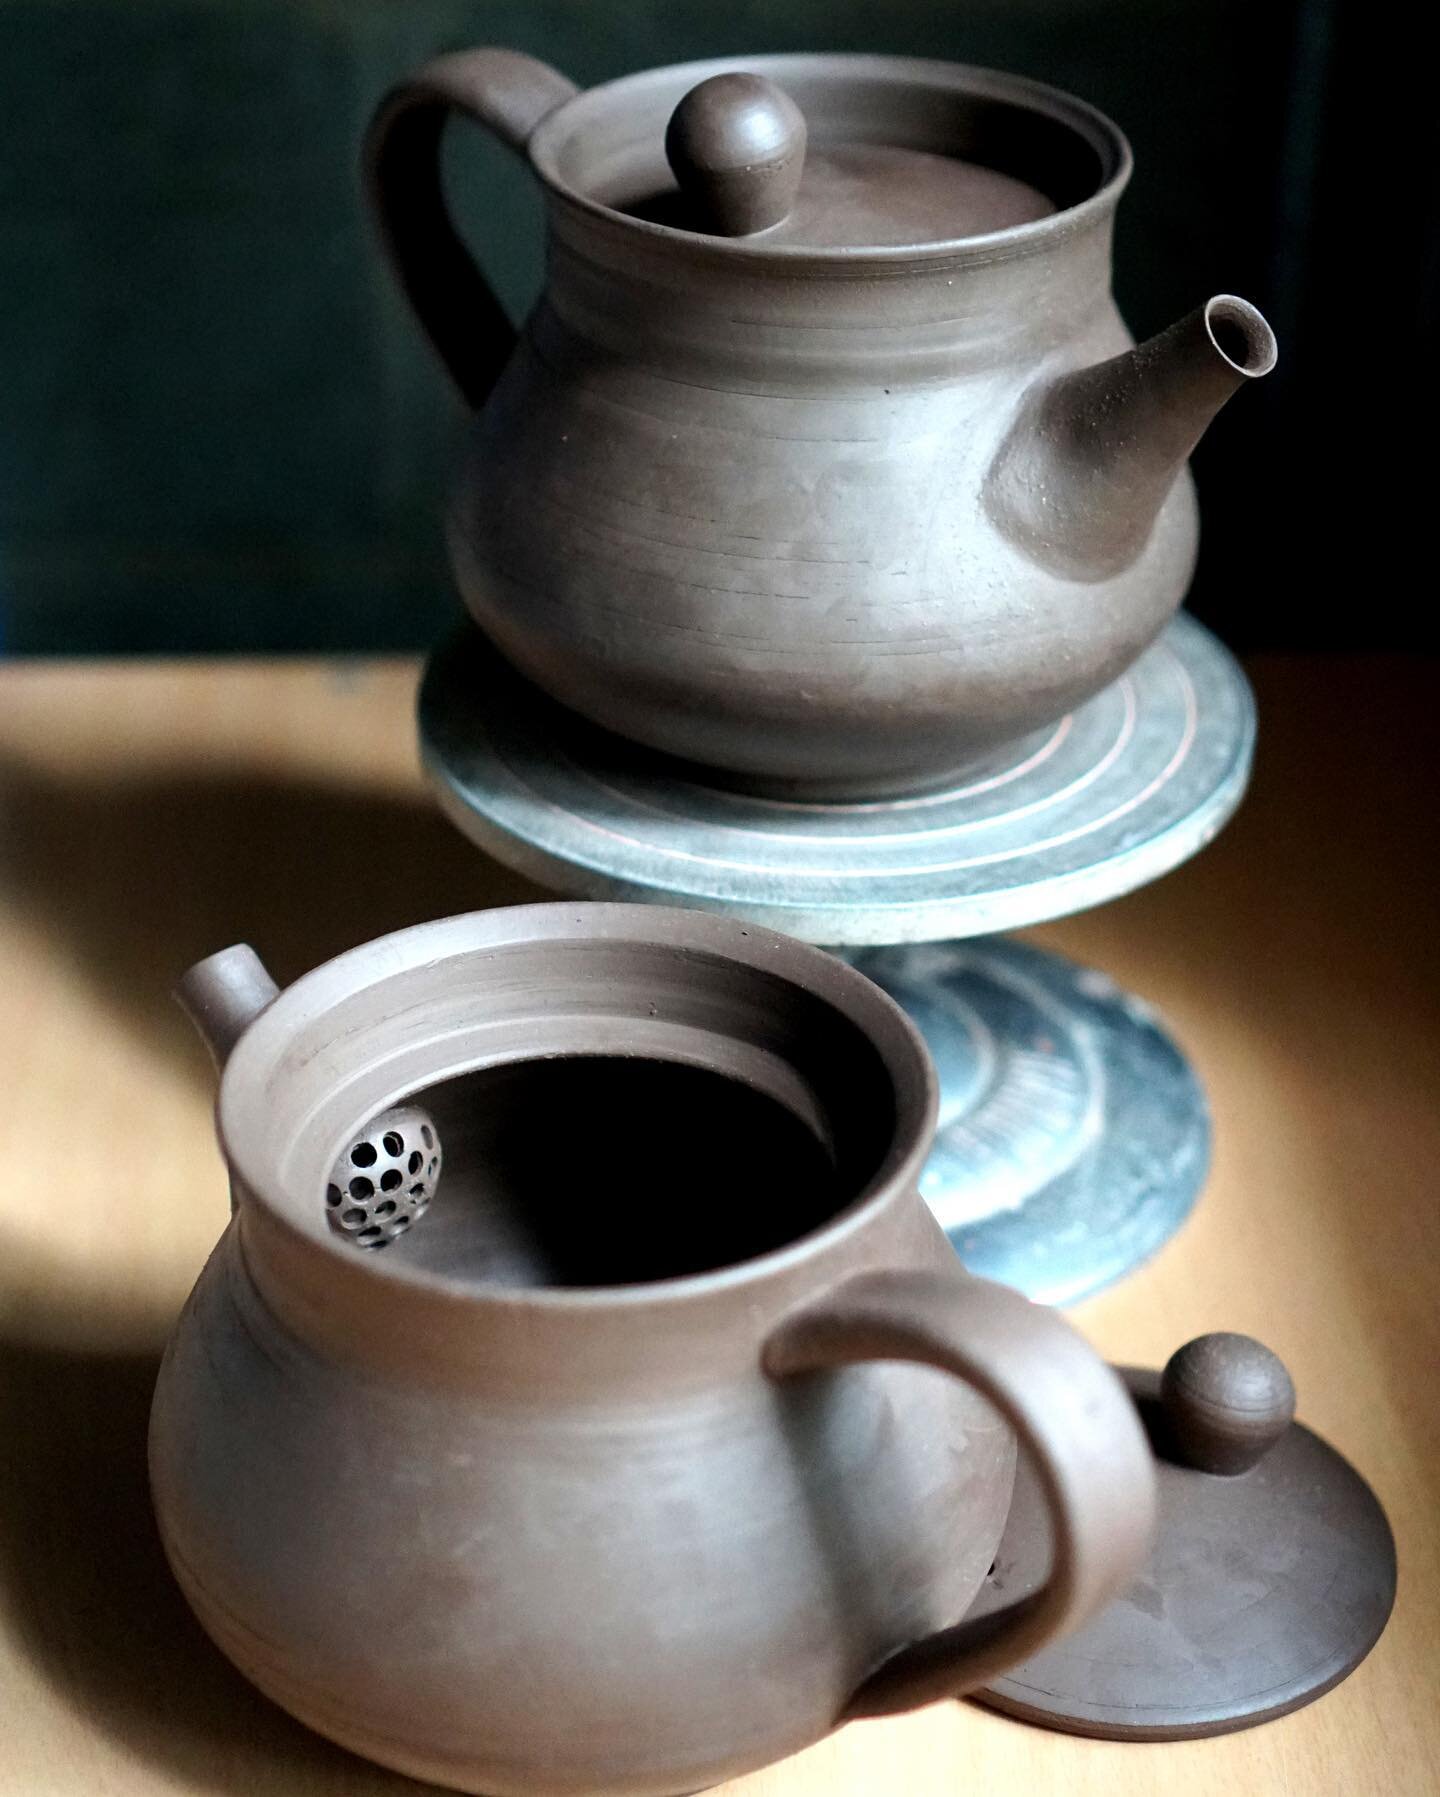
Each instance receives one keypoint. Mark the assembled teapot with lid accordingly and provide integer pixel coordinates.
(825, 460)
(607, 1473)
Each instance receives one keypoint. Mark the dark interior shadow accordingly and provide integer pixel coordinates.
(596, 1170)
(138, 877)
(90, 1602)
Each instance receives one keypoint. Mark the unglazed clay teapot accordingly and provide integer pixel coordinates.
(625, 1468)
(830, 469)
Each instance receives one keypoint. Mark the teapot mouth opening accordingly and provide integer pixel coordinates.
(602, 153)
(635, 1102)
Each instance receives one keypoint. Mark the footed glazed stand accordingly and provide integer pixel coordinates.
(1073, 1136)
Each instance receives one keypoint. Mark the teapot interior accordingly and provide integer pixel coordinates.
(622, 1094)
(606, 1170)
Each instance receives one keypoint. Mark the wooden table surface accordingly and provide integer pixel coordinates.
(150, 814)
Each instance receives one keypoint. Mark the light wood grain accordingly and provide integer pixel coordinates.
(151, 814)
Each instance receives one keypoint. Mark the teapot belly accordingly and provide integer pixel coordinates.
(640, 1602)
(816, 614)
(823, 720)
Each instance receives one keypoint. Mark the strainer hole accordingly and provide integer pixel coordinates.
(370, 1238)
(333, 1195)
(362, 1187)
(434, 1163)
(394, 1142)
(387, 1209)
(363, 1154)
(417, 1191)
(390, 1178)
(400, 1225)
(352, 1219)
(417, 1161)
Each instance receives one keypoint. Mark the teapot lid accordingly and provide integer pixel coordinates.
(1271, 1578)
(737, 144)
(830, 158)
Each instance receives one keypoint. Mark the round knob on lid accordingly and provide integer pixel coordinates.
(737, 146)
(1226, 1401)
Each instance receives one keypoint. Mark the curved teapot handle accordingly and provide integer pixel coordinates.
(508, 93)
(1069, 1409)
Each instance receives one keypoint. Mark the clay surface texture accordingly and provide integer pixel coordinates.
(830, 465)
(628, 1468)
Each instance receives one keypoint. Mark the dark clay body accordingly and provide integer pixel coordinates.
(804, 589)
(827, 511)
(537, 1504)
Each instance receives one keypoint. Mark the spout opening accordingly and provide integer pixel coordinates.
(1241, 335)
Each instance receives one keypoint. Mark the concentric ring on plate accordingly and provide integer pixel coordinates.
(1120, 791)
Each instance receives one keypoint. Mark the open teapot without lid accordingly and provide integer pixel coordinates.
(609, 1475)
(825, 460)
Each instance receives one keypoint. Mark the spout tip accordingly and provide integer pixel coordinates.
(223, 994)
(1241, 335)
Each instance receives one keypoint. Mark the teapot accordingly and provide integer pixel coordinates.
(627, 1467)
(825, 460)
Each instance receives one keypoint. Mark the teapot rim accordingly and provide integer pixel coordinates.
(1084, 120)
(895, 1038)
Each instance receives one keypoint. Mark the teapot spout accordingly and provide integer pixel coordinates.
(1082, 475)
(223, 994)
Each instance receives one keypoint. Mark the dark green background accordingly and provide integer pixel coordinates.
(219, 430)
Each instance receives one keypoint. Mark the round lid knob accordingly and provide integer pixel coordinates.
(1226, 1401)
(736, 144)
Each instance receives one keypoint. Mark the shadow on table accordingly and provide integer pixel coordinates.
(85, 1592)
(136, 878)
(133, 878)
